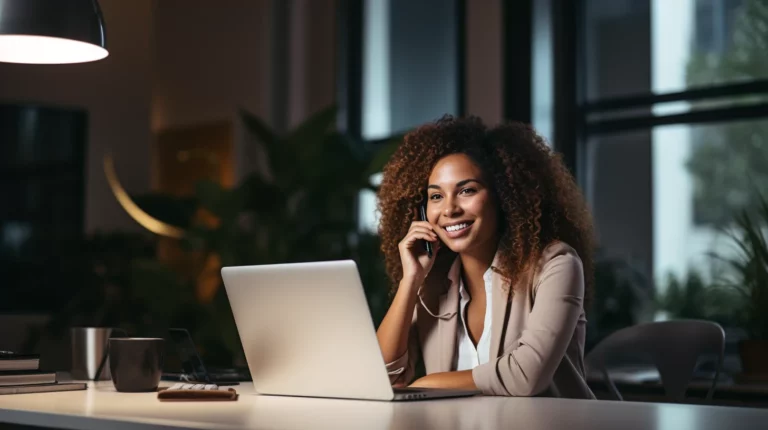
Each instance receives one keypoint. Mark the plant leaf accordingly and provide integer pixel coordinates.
(313, 129)
(280, 158)
(382, 155)
(258, 128)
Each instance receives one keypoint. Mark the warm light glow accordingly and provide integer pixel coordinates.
(144, 219)
(47, 50)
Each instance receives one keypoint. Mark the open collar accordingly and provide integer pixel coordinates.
(449, 308)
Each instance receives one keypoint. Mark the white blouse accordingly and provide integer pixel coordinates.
(470, 356)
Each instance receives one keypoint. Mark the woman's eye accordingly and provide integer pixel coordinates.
(468, 191)
(434, 196)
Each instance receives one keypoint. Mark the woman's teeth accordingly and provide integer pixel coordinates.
(457, 227)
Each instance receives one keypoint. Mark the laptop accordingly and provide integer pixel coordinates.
(307, 331)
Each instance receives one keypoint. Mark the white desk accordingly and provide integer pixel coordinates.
(101, 407)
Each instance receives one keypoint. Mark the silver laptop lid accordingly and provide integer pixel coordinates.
(307, 331)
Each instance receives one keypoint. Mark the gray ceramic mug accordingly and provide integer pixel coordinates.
(136, 363)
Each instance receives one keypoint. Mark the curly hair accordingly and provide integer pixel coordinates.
(538, 198)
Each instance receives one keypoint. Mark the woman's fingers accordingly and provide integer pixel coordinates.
(413, 245)
(421, 229)
(421, 235)
(418, 235)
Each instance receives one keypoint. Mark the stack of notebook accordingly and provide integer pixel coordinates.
(19, 373)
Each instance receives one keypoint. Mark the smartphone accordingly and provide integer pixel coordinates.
(423, 216)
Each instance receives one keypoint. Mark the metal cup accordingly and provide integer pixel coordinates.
(89, 345)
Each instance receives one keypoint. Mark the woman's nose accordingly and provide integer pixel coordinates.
(451, 208)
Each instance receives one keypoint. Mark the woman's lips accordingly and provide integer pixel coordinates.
(459, 233)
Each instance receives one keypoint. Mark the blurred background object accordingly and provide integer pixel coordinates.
(673, 349)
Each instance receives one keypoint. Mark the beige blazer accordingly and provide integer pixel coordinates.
(537, 337)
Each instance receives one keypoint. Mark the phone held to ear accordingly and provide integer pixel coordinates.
(423, 216)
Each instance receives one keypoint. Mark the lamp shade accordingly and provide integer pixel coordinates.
(51, 31)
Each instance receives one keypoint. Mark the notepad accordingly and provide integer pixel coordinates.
(13, 361)
(26, 377)
(43, 388)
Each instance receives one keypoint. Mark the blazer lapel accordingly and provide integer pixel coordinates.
(499, 310)
(449, 303)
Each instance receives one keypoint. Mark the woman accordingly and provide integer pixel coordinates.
(499, 306)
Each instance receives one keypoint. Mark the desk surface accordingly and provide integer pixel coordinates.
(101, 407)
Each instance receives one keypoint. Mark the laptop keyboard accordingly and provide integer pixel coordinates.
(410, 390)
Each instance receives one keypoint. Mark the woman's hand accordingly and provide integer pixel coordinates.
(414, 258)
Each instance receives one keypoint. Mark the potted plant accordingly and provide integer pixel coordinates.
(747, 280)
(302, 207)
(693, 297)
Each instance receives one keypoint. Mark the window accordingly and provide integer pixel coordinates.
(675, 125)
(407, 71)
(41, 215)
(411, 64)
(629, 43)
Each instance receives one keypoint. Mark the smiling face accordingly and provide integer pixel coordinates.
(461, 205)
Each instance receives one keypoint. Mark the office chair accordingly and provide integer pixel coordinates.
(674, 347)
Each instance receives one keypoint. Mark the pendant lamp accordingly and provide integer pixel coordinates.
(51, 31)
